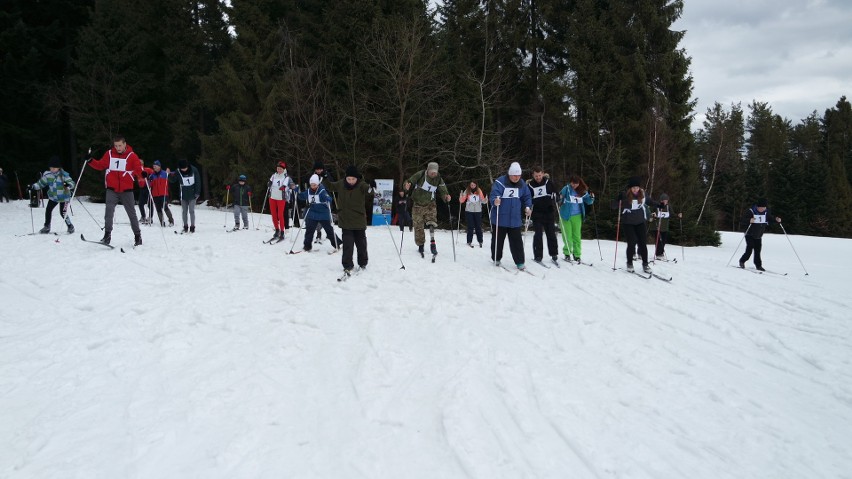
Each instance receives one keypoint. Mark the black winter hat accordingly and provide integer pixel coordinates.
(54, 162)
(634, 181)
(352, 170)
(183, 164)
(762, 202)
(319, 166)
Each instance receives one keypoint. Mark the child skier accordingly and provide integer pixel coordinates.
(242, 197)
(660, 218)
(159, 182)
(59, 186)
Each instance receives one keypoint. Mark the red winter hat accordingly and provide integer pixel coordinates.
(281, 164)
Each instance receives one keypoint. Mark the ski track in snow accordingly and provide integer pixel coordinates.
(219, 356)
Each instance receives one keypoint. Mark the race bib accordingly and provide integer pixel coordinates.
(510, 193)
(431, 189)
(188, 180)
(635, 205)
(279, 182)
(662, 214)
(313, 199)
(118, 164)
(575, 199)
(760, 219)
(473, 199)
(539, 191)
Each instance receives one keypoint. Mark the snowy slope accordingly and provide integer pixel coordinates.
(214, 356)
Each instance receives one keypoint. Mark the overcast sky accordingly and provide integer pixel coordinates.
(795, 55)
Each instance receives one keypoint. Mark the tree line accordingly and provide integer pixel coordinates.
(597, 88)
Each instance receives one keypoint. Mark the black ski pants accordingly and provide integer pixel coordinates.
(516, 244)
(474, 225)
(661, 243)
(48, 211)
(354, 239)
(636, 237)
(549, 230)
(160, 204)
(312, 226)
(753, 244)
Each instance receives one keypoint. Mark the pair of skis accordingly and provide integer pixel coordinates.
(348, 273)
(643, 275)
(102, 243)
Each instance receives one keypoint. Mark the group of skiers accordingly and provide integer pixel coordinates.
(513, 202)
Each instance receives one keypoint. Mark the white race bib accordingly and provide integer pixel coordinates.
(575, 199)
(313, 199)
(279, 182)
(510, 193)
(662, 214)
(540, 191)
(118, 164)
(431, 189)
(760, 219)
(636, 205)
(187, 180)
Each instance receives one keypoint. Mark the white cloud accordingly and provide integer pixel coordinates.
(794, 55)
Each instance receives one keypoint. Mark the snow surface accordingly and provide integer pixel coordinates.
(215, 356)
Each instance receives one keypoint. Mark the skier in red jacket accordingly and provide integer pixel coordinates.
(123, 168)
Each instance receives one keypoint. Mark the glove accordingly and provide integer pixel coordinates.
(283, 188)
(373, 183)
(527, 211)
(627, 210)
(249, 193)
(90, 160)
(228, 187)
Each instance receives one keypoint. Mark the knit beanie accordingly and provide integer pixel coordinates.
(762, 202)
(432, 166)
(352, 170)
(54, 162)
(634, 181)
(315, 180)
(515, 169)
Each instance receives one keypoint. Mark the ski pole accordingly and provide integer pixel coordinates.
(558, 218)
(459, 222)
(597, 237)
(77, 185)
(18, 180)
(299, 231)
(794, 249)
(334, 233)
(90, 213)
(398, 251)
(495, 235)
(32, 221)
(251, 211)
(617, 232)
(738, 244)
(657, 240)
(227, 193)
(449, 212)
(262, 208)
(682, 257)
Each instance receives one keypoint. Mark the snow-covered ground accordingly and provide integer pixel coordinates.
(215, 356)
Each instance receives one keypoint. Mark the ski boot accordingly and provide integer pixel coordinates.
(646, 268)
(630, 267)
(45, 230)
(192, 229)
(107, 237)
(137, 239)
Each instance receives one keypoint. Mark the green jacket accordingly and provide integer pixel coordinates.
(423, 188)
(351, 203)
(59, 185)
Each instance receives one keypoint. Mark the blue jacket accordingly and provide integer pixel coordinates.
(568, 209)
(318, 204)
(514, 197)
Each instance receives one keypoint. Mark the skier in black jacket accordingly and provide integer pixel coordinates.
(756, 219)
